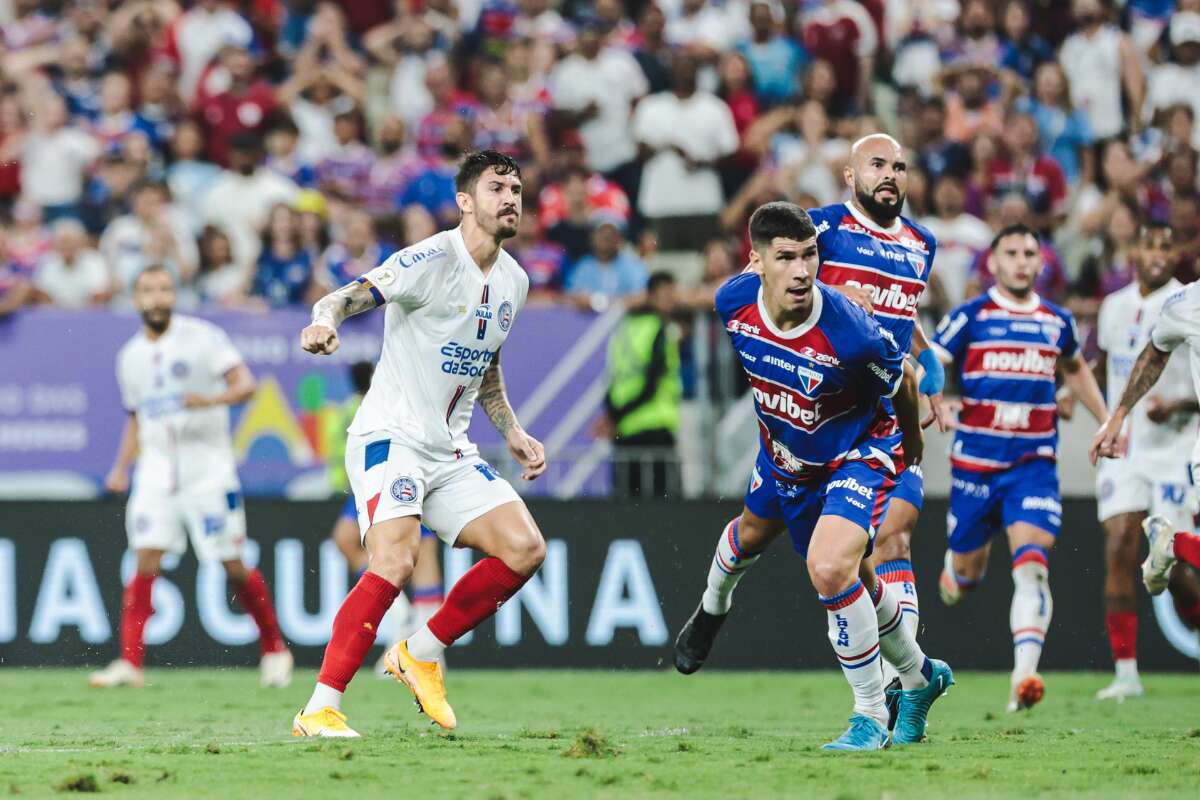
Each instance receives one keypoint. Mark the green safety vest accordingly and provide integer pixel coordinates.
(630, 351)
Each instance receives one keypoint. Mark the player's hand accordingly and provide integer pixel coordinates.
(117, 480)
(938, 413)
(528, 452)
(319, 338)
(1107, 442)
(861, 296)
(197, 401)
(1159, 410)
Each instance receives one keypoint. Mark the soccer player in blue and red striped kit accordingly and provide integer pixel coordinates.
(1009, 344)
(830, 452)
(882, 260)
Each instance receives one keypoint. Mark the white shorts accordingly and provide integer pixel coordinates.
(390, 480)
(1123, 487)
(215, 520)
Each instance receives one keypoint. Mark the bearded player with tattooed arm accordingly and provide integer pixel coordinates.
(451, 301)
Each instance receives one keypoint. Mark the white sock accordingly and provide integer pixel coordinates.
(854, 634)
(424, 646)
(323, 697)
(896, 642)
(728, 564)
(899, 574)
(1127, 669)
(1032, 607)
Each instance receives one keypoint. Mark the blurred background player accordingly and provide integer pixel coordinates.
(451, 301)
(404, 617)
(178, 377)
(829, 454)
(1153, 476)
(882, 261)
(1178, 326)
(1009, 344)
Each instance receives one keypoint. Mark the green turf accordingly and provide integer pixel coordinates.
(216, 734)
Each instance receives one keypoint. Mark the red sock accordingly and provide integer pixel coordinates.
(1188, 611)
(135, 610)
(476, 596)
(1122, 633)
(256, 599)
(1187, 548)
(354, 629)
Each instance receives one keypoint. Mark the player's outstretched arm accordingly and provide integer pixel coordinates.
(239, 387)
(907, 403)
(933, 381)
(1146, 371)
(1080, 379)
(330, 311)
(493, 398)
(117, 480)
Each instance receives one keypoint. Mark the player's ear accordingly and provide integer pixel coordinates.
(755, 264)
(848, 176)
(466, 203)
(991, 262)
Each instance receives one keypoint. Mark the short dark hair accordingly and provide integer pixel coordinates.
(780, 219)
(1153, 225)
(659, 278)
(1013, 230)
(152, 269)
(361, 373)
(476, 163)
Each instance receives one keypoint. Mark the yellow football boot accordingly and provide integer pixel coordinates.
(326, 722)
(424, 679)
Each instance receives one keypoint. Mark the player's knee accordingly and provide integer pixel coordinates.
(525, 552)
(829, 576)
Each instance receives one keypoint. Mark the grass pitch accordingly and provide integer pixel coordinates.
(216, 734)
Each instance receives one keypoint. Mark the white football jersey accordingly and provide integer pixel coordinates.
(1123, 329)
(1178, 325)
(445, 322)
(180, 448)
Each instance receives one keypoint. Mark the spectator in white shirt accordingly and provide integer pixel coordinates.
(242, 197)
(595, 89)
(1178, 80)
(72, 275)
(55, 159)
(683, 135)
(961, 237)
(155, 233)
(1100, 60)
(200, 33)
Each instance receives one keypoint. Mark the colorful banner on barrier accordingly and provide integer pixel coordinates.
(61, 415)
(618, 582)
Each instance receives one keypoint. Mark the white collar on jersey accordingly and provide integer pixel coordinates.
(871, 224)
(1008, 305)
(803, 327)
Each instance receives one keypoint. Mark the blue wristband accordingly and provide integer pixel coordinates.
(934, 379)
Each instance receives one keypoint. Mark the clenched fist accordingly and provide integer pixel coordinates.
(319, 338)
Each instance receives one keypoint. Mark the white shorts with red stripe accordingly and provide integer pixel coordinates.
(390, 480)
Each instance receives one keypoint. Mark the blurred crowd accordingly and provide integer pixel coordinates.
(266, 151)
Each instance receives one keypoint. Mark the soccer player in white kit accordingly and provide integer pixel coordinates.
(1178, 327)
(178, 377)
(451, 301)
(1152, 478)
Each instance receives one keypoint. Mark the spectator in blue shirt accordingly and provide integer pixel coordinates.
(1064, 132)
(611, 271)
(433, 187)
(775, 60)
(1022, 50)
(284, 270)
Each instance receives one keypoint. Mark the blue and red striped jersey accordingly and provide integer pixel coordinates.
(818, 387)
(1007, 354)
(894, 262)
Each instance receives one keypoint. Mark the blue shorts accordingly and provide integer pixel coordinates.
(350, 511)
(910, 487)
(982, 504)
(855, 491)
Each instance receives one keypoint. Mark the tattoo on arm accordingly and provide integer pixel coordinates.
(353, 298)
(494, 399)
(1146, 371)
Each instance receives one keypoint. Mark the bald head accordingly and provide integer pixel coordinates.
(878, 176)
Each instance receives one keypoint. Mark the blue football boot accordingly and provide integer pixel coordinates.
(864, 733)
(914, 706)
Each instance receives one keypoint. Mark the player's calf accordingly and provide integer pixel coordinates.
(959, 577)
(1029, 618)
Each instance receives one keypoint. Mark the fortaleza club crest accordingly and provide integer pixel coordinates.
(504, 316)
(404, 490)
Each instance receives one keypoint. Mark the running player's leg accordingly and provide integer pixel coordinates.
(1122, 537)
(970, 522)
(348, 538)
(741, 543)
(1184, 585)
(892, 559)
